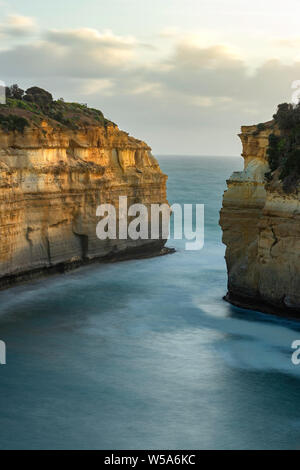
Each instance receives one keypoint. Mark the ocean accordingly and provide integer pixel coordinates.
(145, 354)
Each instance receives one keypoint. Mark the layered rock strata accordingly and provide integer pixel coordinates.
(51, 182)
(261, 231)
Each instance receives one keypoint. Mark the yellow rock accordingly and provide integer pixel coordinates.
(261, 231)
(51, 182)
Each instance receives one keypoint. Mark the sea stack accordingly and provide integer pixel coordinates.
(260, 218)
(58, 162)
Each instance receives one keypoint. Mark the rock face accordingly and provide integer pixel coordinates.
(261, 231)
(52, 181)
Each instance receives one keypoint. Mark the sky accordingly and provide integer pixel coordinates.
(181, 75)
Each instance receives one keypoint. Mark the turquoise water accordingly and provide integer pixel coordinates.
(146, 354)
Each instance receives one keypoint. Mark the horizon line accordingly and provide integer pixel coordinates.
(195, 155)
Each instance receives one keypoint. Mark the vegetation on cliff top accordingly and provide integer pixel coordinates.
(284, 149)
(29, 108)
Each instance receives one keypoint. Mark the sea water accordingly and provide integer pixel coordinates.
(145, 354)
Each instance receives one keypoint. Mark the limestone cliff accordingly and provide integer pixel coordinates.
(53, 177)
(261, 231)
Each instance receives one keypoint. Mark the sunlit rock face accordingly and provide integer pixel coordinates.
(261, 231)
(51, 182)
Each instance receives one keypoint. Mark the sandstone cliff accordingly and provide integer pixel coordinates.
(261, 231)
(52, 178)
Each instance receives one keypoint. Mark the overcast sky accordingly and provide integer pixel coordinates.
(183, 75)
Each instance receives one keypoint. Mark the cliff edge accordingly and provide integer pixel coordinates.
(260, 219)
(58, 162)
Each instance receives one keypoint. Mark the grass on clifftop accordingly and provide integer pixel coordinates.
(284, 149)
(29, 108)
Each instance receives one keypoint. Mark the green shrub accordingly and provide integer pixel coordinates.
(40, 104)
(291, 164)
(273, 152)
(287, 116)
(261, 127)
(38, 96)
(284, 151)
(12, 122)
(14, 91)
(14, 103)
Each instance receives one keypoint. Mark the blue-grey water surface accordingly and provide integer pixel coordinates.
(145, 354)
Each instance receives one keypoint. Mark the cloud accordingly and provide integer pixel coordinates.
(94, 86)
(196, 96)
(203, 71)
(75, 53)
(113, 50)
(17, 26)
(288, 42)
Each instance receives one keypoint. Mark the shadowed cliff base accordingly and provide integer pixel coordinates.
(151, 250)
(260, 305)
